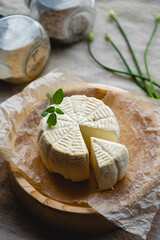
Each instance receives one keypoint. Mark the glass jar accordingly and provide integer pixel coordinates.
(65, 21)
(24, 48)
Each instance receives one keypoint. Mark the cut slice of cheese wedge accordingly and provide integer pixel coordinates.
(63, 151)
(109, 161)
(63, 147)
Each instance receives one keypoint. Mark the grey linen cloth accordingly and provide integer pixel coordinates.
(137, 18)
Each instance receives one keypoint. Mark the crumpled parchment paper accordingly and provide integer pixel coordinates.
(135, 200)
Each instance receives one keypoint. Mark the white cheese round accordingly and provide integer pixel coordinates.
(65, 147)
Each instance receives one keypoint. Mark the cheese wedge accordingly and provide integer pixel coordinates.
(63, 151)
(109, 161)
(63, 148)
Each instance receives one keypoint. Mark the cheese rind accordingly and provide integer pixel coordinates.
(62, 147)
(63, 151)
(109, 161)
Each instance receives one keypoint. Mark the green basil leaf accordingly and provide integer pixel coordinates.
(44, 113)
(59, 111)
(48, 95)
(50, 109)
(52, 119)
(58, 96)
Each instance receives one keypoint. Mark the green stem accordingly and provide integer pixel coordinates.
(156, 84)
(111, 69)
(49, 102)
(145, 58)
(129, 47)
(134, 57)
(114, 70)
(128, 68)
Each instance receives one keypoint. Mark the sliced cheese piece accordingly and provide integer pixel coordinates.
(109, 161)
(83, 116)
(63, 151)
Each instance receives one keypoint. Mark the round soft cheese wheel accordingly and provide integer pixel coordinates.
(65, 147)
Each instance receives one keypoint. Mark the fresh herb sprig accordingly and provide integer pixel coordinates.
(52, 110)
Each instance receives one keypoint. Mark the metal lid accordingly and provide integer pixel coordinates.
(61, 4)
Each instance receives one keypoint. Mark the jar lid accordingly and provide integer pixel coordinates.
(61, 4)
(12, 27)
(24, 48)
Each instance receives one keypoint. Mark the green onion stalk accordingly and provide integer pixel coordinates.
(127, 66)
(90, 40)
(157, 18)
(113, 17)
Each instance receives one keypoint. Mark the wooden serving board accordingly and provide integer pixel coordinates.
(74, 217)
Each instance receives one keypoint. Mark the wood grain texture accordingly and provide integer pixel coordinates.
(78, 218)
(74, 217)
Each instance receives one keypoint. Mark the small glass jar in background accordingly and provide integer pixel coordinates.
(24, 48)
(66, 21)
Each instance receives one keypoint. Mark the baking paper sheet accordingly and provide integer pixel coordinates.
(135, 200)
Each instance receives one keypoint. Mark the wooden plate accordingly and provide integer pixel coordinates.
(74, 217)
